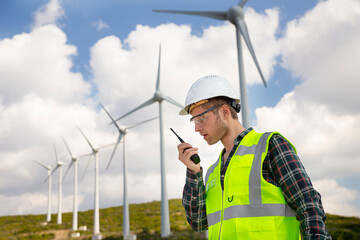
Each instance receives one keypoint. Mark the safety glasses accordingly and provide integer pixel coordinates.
(202, 117)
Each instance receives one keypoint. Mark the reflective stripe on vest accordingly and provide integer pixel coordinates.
(255, 207)
(253, 210)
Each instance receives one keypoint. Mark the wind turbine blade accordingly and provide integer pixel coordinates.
(86, 139)
(67, 147)
(44, 166)
(241, 26)
(114, 150)
(47, 178)
(145, 104)
(158, 73)
(87, 166)
(52, 172)
(139, 123)
(106, 145)
(209, 14)
(67, 170)
(112, 119)
(84, 155)
(242, 3)
(170, 100)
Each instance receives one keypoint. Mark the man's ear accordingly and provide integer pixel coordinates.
(225, 111)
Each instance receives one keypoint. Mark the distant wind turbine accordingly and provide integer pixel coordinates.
(160, 97)
(74, 162)
(95, 151)
(236, 16)
(122, 133)
(59, 166)
(48, 179)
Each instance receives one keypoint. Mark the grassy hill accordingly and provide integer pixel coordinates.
(144, 222)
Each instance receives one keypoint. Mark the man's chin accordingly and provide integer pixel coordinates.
(211, 142)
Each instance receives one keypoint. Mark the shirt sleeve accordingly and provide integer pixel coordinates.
(296, 186)
(194, 201)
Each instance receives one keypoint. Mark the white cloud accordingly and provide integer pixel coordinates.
(49, 13)
(100, 25)
(35, 202)
(324, 140)
(339, 201)
(35, 120)
(40, 63)
(44, 100)
(323, 49)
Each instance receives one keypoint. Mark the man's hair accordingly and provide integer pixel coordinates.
(218, 101)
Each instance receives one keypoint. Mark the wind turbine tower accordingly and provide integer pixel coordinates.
(59, 166)
(74, 162)
(48, 168)
(160, 97)
(95, 151)
(122, 133)
(236, 16)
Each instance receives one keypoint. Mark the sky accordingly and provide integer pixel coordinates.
(60, 58)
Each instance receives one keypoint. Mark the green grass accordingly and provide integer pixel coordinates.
(341, 227)
(144, 222)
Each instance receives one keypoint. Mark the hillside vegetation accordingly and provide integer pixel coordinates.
(144, 222)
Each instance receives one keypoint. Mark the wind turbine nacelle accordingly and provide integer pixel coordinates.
(158, 96)
(123, 130)
(60, 163)
(235, 12)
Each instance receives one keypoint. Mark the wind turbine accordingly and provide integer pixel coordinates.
(122, 133)
(74, 162)
(235, 15)
(95, 151)
(59, 166)
(160, 97)
(48, 168)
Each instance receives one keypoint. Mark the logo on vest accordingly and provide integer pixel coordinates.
(211, 184)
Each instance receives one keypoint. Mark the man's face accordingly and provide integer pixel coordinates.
(208, 124)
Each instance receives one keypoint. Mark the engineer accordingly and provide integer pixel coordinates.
(257, 188)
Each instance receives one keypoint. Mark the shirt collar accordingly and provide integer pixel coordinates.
(241, 136)
(238, 139)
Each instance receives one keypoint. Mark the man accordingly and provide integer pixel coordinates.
(258, 188)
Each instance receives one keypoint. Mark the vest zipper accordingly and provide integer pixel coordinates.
(222, 212)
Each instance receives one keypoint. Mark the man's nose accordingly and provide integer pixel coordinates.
(197, 127)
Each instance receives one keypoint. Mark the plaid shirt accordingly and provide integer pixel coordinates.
(282, 168)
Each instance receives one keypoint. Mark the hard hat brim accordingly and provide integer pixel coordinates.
(183, 111)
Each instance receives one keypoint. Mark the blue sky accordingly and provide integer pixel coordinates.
(56, 65)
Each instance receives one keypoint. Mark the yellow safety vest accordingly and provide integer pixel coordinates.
(249, 208)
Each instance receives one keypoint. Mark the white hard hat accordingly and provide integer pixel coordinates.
(208, 87)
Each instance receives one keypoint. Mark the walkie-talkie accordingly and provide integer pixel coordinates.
(195, 158)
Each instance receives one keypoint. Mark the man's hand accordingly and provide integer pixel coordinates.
(185, 152)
